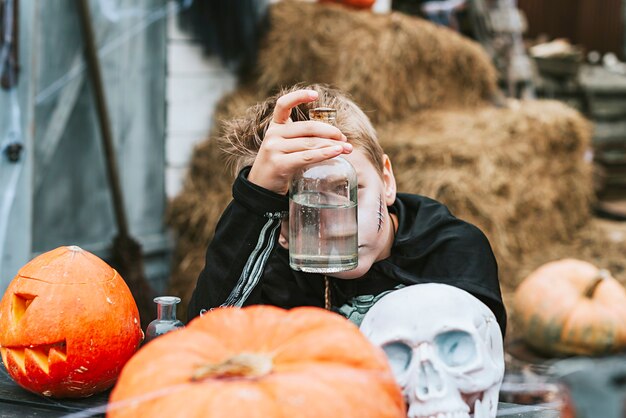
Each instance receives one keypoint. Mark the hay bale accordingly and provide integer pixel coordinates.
(517, 173)
(392, 64)
(233, 106)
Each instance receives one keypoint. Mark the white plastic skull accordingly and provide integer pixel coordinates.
(445, 348)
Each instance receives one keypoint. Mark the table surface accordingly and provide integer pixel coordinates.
(19, 403)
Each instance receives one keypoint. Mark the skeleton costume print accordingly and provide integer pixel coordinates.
(245, 265)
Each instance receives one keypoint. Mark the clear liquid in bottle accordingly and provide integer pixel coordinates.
(324, 237)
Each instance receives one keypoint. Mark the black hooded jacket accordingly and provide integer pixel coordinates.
(246, 266)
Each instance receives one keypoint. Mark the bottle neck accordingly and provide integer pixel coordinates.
(166, 307)
(166, 311)
(324, 114)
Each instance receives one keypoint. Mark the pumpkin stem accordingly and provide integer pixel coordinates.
(601, 276)
(240, 365)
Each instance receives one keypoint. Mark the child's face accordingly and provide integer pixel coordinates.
(375, 228)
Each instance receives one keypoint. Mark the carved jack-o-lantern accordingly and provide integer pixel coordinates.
(68, 324)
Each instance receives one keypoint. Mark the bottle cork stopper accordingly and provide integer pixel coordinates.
(323, 114)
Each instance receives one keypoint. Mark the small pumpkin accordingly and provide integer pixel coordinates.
(259, 361)
(357, 4)
(68, 324)
(570, 307)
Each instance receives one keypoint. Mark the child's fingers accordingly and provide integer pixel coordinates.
(306, 128)
(295, 160)
(285, 103)
(309, 143)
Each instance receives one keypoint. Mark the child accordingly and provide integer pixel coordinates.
(404, 239)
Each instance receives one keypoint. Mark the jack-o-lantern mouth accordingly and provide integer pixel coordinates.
(40, 355)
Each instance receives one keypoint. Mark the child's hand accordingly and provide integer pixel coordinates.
(289, 146)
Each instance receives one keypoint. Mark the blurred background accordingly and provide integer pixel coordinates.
(513, 113)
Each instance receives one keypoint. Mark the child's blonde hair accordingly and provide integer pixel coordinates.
(242, 137)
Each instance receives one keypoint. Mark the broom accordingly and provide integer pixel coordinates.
(126, 255)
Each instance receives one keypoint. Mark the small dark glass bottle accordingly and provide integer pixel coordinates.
(166, 317)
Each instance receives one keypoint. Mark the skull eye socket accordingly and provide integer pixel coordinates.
(399, 356)
(456, 348)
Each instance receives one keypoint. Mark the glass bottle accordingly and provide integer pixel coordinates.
(166, 317)
(323, 213)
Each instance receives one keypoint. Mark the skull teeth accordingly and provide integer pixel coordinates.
(480, 410)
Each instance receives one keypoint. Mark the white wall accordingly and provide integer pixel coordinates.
(194, 85)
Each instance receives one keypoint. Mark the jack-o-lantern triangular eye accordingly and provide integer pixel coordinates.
(21, 302)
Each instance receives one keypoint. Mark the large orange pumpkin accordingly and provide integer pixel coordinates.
(68, 324)
(259, 361)
(569, 307)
